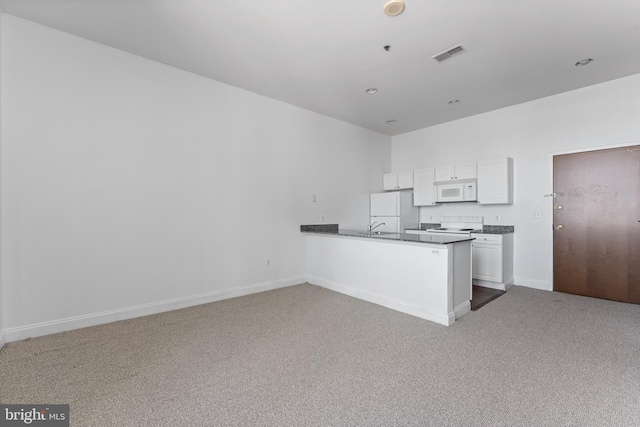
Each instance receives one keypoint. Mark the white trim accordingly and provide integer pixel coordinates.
(550, 206)
(93, 319)
(3, 339)
(587, 149)
(543, 285)
(491, 285)
(494, 285)
(462, 309)
(433, 316)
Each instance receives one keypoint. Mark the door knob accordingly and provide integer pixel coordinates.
(559, 227)
(559, 207)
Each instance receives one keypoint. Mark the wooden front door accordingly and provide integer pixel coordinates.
(596, 220)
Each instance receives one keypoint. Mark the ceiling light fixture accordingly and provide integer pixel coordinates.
(394, 7)
(391, 122)
(371, 90)
(584, 62)
(454, 102)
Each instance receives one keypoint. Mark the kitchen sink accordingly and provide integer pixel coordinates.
(390, 236)
(376, 233)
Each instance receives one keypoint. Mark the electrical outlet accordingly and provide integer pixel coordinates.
(497, 218)
(268, 262)
(537, 214)
(313, 198)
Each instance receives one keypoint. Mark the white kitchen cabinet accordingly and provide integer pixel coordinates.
(492, 260)
(495, 182)
(457, 171)
(397, 180)
(424, 191)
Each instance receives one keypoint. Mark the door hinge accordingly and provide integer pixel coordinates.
(550, 195)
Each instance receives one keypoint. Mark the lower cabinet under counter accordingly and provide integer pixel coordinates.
(493, 260)
(430, 281)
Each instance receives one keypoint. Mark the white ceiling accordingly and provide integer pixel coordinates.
(322, 54)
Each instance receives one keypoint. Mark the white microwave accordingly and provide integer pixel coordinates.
(457, 192)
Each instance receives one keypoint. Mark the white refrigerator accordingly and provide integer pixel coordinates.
(395, 209)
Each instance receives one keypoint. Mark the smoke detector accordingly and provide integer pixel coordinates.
(394, 7)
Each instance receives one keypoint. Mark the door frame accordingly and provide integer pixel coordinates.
(549, 206)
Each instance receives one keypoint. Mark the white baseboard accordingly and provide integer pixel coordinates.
(490, 285)
(93, 319)
(462, 309)
(532, 283)
(446, 319)
(493, 285)
(3, 339)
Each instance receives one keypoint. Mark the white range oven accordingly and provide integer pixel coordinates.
(456, 225)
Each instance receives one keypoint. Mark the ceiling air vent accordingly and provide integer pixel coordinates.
(456, 50)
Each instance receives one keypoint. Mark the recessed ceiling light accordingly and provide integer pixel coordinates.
(584, 62)
(454, 102)
(394, 7)
(371, 90)
(390, 122)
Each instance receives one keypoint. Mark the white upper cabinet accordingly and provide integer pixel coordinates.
(397, 180)
(390, 181)
(456, 172)
(405, 180)
(424, 191)
(495, 182)
(445, 173)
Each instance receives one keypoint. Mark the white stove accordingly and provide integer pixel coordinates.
(461, 225)
(456, 225)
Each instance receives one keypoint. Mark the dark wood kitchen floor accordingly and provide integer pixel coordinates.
(482, 296)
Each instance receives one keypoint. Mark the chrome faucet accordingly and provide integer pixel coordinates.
(371, 227)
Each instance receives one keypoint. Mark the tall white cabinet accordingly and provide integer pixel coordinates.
(424, 191)
(495, 182)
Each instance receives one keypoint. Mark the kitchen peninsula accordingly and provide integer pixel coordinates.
(428, 276)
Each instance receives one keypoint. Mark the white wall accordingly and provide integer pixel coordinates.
(597, 116)
(128, 183)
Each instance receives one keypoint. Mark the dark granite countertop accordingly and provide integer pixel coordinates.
(320, 228)
(487, 229)
(438, 239)
(497, 229)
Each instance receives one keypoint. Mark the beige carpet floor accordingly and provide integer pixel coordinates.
(307, 356)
